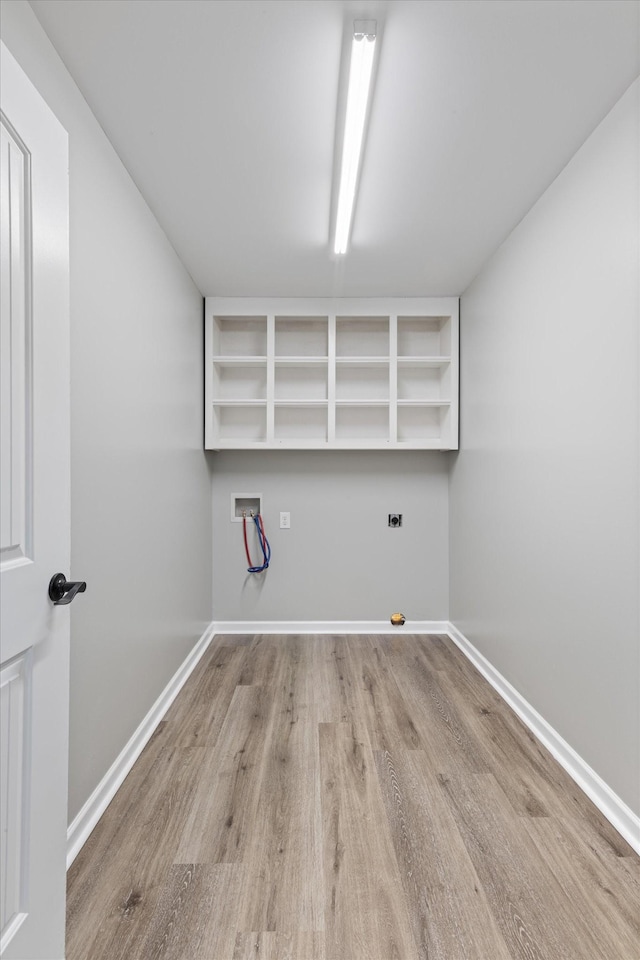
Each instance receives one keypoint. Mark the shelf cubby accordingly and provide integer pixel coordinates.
(301, 337)
(240, 381)
(362, 381)
(240, 337)
(297, 380)
(362, 337)
(424, 337)
(300, 423)
(423, 423)
(238, 424)
(418, 381)
(362, 421)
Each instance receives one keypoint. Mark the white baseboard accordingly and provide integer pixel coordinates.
(619, 815)
(87, 818)
(328, 626)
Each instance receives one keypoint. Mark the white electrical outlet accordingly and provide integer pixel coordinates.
(285, 521)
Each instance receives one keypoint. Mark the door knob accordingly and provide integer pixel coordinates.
(62, 590)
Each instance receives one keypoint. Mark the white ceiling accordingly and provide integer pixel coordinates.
(224, 112)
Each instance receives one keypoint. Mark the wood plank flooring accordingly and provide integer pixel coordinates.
(349, 798)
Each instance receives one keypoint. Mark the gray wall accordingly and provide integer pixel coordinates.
(544, 492)
(339, 560)
(141, 507)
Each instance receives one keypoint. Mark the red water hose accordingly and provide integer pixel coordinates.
(264, 544)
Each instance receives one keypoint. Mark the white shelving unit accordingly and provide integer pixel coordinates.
(372, 374)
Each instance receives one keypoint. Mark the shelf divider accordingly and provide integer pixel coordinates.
(210, 436)
(393, 378)
(271, 376)
(331, 381)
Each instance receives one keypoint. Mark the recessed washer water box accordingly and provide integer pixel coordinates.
(245, 505)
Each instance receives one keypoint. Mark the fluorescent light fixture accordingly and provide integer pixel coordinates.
(360, 71)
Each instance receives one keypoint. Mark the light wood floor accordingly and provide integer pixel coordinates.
(360, 798)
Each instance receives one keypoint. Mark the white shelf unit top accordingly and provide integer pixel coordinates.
(373, 373)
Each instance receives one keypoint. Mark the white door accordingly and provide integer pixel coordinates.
(34, 441)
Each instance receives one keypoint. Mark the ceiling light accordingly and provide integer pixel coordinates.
(360, 72)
